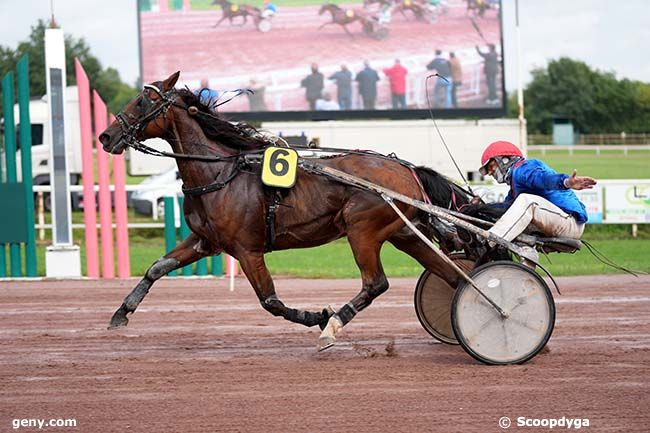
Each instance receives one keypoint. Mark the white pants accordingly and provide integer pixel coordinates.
(532, 209)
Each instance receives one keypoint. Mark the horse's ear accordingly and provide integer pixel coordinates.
(170, 82)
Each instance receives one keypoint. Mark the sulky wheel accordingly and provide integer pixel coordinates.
(432, 301)
(529, 314)
(381, 33)
(264, 25)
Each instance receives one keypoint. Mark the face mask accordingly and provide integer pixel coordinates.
(499, 176)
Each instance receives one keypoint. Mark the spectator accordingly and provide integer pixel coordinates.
(206, 95)
(343, 79)
(326, 104)
(367, 79)
(443, 83)
(313, 84)
(456, 77)
(397, 77)
(490, 68)
(256, 99)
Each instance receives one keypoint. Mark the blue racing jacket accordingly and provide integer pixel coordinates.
(531, 176)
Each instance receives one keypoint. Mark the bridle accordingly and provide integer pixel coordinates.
(152, 109)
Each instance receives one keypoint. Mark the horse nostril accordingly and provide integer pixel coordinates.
(104, 138)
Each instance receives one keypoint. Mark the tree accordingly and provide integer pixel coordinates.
(595, 101)
(106, 81)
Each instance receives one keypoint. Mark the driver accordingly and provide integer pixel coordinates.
(537, 195)
(269, 9)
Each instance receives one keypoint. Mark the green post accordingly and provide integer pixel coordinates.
(10, 157)
(217, 265)
(26, 162)
(170, 228)
(202, 267)
(185, 232)
(3, 261)
(3, 257)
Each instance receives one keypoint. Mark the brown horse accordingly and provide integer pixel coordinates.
(227, 206)
(231, 11)
(416, 7)
(343, 17)
(478, 7)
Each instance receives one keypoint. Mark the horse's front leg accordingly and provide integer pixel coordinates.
(345, 27)
(325, 24)
(258, 275)
(219, 22)
(186, 253)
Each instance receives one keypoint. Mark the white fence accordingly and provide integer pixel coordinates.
(625, 148)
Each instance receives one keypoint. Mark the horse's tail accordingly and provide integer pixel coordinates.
(445, 193)
(441, 191)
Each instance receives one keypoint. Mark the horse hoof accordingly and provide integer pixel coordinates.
(119, 319)
(325, 343)
(328, 336)
(327, 313)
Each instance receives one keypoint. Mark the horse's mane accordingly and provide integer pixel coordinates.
(236, 136)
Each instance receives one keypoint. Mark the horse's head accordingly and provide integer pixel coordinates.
(143, 117)
(327, 7)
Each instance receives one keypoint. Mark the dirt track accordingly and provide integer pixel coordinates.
(197, 358)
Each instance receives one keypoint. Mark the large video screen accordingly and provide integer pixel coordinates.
(311, 59)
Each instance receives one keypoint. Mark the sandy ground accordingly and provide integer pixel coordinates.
(197, 358)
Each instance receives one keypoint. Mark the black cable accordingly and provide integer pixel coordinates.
(426, 89)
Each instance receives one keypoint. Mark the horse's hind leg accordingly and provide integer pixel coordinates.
(374, 283)
(408, 242)
(259, 276)
(184, 254)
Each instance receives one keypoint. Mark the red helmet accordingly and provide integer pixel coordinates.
(498, 148)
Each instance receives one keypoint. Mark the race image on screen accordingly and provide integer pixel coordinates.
(311, 59)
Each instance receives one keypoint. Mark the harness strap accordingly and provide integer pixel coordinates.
(273, 206)
(200, 190)
(425, 196)
(512, 178)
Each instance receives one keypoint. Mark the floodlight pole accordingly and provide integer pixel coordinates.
(523, 145)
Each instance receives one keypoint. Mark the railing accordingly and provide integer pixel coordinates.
(595, 139)
(594, 148)
(39, 189)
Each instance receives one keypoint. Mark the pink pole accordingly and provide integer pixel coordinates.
(121, 218)
(232, 266)
(105, 222)
(186, 5)
(87, 172)
(164, 5)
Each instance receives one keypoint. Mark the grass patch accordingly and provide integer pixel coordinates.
(611, 164)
